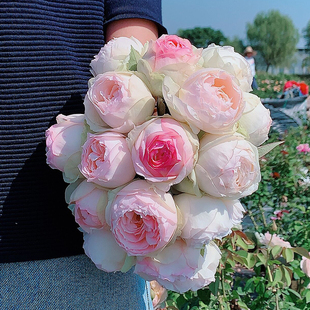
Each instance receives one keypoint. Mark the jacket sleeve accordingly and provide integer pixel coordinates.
(145, 9)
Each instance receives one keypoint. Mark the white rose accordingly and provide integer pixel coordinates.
(206, 218)
(228, 166)
(224, 57)
(114, 55)
(100, 246)
(256, 124)
(180, 268)
(119, 100)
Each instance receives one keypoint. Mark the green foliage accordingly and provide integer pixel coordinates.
(265, 277)
(236, 43)
(202, 37)
(274, 35)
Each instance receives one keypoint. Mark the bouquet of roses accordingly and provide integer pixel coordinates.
(167, 145)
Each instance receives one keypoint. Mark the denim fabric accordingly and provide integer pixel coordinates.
(70, 283)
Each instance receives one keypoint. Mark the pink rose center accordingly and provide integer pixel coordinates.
(108, 93)
(137, 232)
(161, 155)
(95, 155)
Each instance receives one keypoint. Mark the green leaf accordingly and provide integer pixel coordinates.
(251, 260)
(241, 243)
(242, 305)
(134, 57)
(286, 276)
(288, 254)
(262, 258)
(301, 251)
(266, 148)
(277, 277)
(276, 251)
(307, 295)
(214, 286)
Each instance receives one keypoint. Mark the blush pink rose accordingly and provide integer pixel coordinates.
(63, 140)
(227, 166)
(89, 203)
(171, 49)
(169, 55)
(163, 151)
(101, 248)
(272, 240)
(206, 218)
(119, 100)
(209, 100)
(106, 160)
(305, 266)
(142, 219)
(179, 267)
(159, 294)
(303, 148)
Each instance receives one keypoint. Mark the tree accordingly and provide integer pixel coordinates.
(202, 37)
(306, 33)
(236, 43)
(275, 36)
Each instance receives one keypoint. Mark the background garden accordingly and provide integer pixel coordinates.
(265, 263)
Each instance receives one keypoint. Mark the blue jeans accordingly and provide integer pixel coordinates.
(70, 283)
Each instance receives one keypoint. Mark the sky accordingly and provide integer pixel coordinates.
(230, 16)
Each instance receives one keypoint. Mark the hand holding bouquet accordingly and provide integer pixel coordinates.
(154, 190)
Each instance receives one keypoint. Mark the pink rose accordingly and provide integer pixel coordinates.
(303, 148)
(119, 100)
(228, 166)
(209, 100)
(168, 55)
(106, 160)
(163, 151)
(273, 240)
(159, 294)
(169, 50)
(206, 218)
(142, 219)
(305, 266)
(89, 202)
(279, 214)
(181, 268)
(63, 144)
(101, 248)
(114, 55)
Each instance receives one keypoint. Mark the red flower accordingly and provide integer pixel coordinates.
(275, 175)
(284, 152)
